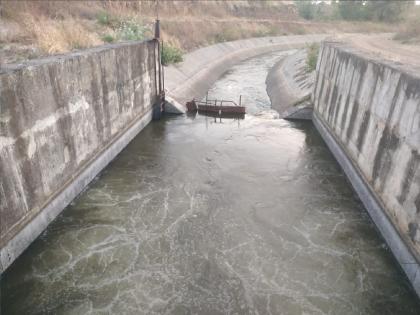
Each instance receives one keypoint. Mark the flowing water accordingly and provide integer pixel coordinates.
(207, 216)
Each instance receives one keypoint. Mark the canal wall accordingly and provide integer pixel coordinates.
(193, 77)
(290, 85)
(63, 119)
(368, 112)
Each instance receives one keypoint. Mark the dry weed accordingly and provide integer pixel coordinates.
(60, 26)
(57, 36)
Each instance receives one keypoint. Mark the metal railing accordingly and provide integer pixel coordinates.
(211, 102)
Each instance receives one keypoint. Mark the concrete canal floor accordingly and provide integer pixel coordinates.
(202, 216)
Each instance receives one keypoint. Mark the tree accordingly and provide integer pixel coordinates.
(388, 11)
(354, 10)
(380, 10)
(306, 9)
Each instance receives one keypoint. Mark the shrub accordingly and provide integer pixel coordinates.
(306, 9)
(104, 18)
(389, 11)
(131, 30)
(298, 29)
(409, 31)
(312, 56)
(265, 31)
(108, 38)
(226, 35)
(171, 54)
(353, 10)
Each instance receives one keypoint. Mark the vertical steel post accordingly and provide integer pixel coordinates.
(155, 67)
(157, 39)
(163, 76)
(157, 29)
(157, 109)
(160, 66)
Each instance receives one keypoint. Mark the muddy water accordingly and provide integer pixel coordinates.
(202, 216)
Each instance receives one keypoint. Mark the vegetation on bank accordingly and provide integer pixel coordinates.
(123, 29)
(409, 31)
(403, 15)
(354, 10)
(312, 52)
(170, 54)
(133, 30)
(29, 29)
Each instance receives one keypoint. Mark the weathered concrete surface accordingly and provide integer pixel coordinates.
(369, 113)
(172, 106)
(201, 68)
(63, 119)
(289, 86)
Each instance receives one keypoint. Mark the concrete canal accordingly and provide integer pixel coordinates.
(202, 216)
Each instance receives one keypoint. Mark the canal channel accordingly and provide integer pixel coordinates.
(200, 215)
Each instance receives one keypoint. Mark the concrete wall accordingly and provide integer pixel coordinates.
(202, 67)
(368, 112)
(290, 85)
(63, 119)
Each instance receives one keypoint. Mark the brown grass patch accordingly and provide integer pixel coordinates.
(57, 36)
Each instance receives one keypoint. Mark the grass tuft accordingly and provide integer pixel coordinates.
(171, 54)
(312, 51)
(108, 38)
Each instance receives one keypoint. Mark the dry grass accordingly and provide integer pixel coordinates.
(57, 36)
(48, 25)
(32, 28)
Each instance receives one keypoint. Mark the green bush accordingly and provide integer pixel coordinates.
(105, 19)
(312, 56)
(131, 30)
(306, 9)
(389, 11)
(171, 54)
(108, 38)
(124, 30)
(355, 10)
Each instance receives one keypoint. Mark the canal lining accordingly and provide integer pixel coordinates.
(17, 245)
(398, 247)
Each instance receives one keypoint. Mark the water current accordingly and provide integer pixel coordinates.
(200, 215)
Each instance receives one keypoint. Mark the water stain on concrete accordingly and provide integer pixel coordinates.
(388, 144)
